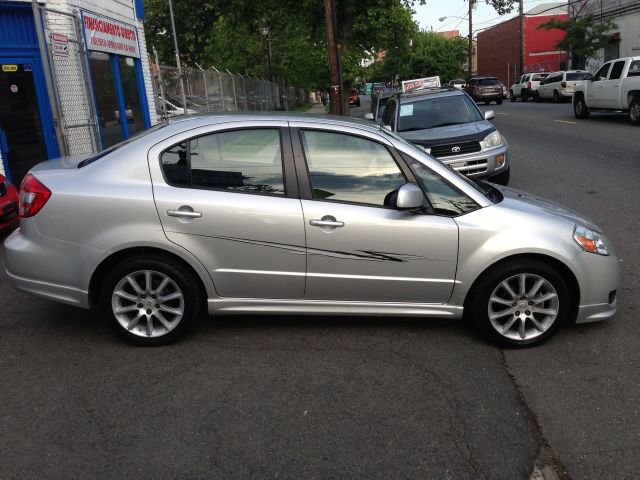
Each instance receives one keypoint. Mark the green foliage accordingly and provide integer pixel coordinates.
(225, 34)
(584, 36)
(430, 54)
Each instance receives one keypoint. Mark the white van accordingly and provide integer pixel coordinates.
(558, 86)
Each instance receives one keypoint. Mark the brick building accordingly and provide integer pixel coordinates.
(499, 46)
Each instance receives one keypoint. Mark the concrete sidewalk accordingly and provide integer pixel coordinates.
(318, 108)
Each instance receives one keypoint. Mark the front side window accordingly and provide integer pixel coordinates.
(602, 73)
(248, 161)
(437, 112)
(388, 117)
(445, 198)
(350, 169)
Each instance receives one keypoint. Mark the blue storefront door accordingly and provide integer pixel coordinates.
(25, 117)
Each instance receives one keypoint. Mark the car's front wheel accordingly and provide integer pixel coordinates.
(580, 108)
(634, 111)
(150, 300)
(520, 303)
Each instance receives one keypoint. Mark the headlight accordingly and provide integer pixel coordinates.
(493, 139)
(590, 241)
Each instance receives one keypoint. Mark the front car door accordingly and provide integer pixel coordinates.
(595, 91)
(611, 89)
(359, 246)
(227, 193)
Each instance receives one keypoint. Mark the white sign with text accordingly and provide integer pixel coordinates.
(111, 36)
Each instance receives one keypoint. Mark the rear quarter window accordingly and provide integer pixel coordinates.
(634, 69)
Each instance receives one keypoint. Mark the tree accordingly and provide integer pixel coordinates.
(583, 36)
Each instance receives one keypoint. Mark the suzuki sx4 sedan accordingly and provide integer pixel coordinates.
(295, 214)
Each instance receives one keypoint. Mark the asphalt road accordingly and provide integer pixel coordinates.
(301, 397)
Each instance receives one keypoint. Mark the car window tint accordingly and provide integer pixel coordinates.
(574, 76)
(349, 168)
(616, 70)
(538, 77)
(634, 69)
(487, 82)
(238, 160)
(444, 197)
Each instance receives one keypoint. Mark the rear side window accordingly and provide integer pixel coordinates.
(634, 69)
(574, 76)
(248, 161)
(538, 77)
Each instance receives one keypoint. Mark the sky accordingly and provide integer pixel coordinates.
(483, 16)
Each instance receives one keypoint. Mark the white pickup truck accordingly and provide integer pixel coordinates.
(614, 87)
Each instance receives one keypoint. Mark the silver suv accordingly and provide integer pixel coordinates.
(448, 125)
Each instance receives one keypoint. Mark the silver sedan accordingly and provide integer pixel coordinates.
(248, 213)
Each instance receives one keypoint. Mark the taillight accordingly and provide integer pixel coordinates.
(528, 84)
(33, 196)
(563, 84)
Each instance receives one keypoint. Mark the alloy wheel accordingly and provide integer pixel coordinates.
(523, 307)
(147, 303)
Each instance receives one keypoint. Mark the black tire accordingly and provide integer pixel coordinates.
(634, 111)
(512, 97)
(580, 109)
(499, 101)
(501, 178)
(525, 95)
(536, 97)
(173, 325)
(511, 271)
(556, 97)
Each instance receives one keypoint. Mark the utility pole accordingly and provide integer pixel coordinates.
(335, 92)
(470, 37)
(521, 60)
(175, 44)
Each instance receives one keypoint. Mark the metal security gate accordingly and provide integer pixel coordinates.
(72, 86)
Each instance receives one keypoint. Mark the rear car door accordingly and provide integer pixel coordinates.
(359, 247)
(227, 193)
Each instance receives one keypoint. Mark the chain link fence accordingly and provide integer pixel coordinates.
(214, 91)
(72, 86)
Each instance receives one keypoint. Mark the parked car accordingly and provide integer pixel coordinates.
(354, 98)
(614, 87)
(8, 203)
(526, 86)
(558, 86)
(196, 214)
(448, 125)
(485, 89)
(458, 83)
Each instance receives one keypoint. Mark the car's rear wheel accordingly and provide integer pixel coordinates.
(512, 97)
(580, 109)
(525, 95)
(520, 303)
(150, 300)
(536, 97)
(499, 101)
(556, 97)
(634, 111)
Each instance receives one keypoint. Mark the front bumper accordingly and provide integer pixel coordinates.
(598, 277)
(479, 164)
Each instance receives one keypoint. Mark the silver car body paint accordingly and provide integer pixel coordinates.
(256, 253)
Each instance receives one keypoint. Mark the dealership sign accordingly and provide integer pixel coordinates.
(111, 36)
(408, 85)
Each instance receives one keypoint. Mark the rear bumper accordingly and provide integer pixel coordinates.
(50, 291)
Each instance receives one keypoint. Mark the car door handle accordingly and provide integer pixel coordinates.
(326, 223)
(184, 213)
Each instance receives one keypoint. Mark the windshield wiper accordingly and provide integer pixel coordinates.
(430, 127)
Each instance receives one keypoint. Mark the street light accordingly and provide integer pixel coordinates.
(264, 31)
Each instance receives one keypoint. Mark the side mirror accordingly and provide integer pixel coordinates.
(368, 116)
(410, 197)
(489, 114)
(588, 76)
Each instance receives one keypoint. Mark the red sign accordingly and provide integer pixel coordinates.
(106, 35)
(60, 44)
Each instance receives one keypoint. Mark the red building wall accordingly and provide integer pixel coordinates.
(499, 50)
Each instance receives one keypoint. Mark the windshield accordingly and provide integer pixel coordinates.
(437, 112)
(488, 82)
(107, 151)
(576, 76)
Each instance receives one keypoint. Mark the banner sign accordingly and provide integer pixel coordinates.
(111, 36)
(409, 85)
(59, 44)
